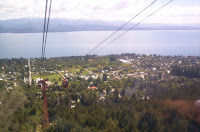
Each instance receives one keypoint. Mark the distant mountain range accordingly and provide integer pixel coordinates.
(34, 25)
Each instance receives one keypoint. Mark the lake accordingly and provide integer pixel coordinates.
(162, 42)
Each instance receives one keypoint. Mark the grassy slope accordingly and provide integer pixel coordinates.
(50, 77)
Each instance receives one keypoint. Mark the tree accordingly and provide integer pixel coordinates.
(160, 75)
(191, 74)
(123, 92)
(104, 77)
(150, 122)
(111, 125)
(106, 68)
(84, 99)
(177, 72)
(68, 101)
(63, 125)
(133, 96)
(56, 82)
(33, 82)
(13, 107)
(116, 95)
(108, 89)
(112, 58)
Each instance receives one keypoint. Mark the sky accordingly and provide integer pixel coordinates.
(178, 11)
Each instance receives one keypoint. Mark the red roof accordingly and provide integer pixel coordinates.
(93, 87)
(65, 80)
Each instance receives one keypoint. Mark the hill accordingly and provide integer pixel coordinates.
(35, 25)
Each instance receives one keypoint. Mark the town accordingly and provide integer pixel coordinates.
(97, 78)
(107, 68)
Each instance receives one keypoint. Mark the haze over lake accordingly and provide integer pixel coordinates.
(162, 42)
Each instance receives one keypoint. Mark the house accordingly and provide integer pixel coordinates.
(25, 79)
(142, 76)
(104, 91)
(130, 75)
(66, 75)
(82, 76)
(37, 80)
(72, 106)
(102, 98)
(73, 101)
(9, 88)
(124, 61)
(48, 83)
(92, 88)
(86, 78)
(111, 91)
(93, 76)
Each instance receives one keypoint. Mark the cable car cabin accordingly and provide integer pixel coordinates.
(65, 83)
(40, 85)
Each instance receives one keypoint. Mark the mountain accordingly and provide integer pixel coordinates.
(34, 25)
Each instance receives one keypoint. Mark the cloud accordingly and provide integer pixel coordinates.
(102, 10)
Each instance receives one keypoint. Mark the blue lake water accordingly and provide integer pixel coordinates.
(160, 42)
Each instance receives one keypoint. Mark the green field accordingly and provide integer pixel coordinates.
(51, 77)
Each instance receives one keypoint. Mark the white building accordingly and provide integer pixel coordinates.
(38, 79)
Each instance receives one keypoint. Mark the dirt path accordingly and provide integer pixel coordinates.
(29, 65)
(61, 74)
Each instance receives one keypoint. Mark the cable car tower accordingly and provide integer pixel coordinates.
(45, 108)
(44, 87)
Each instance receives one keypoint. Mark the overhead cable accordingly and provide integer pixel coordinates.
(44, 29)
(47, 28)
(134, 25)
(121, 27)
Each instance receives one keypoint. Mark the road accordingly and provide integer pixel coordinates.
(29, 65)
(61, 74)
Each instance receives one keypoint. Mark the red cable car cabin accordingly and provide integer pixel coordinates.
(40, 85)
(65, 83)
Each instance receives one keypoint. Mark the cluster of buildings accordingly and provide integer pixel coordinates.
(10, 79)
(143, 66)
